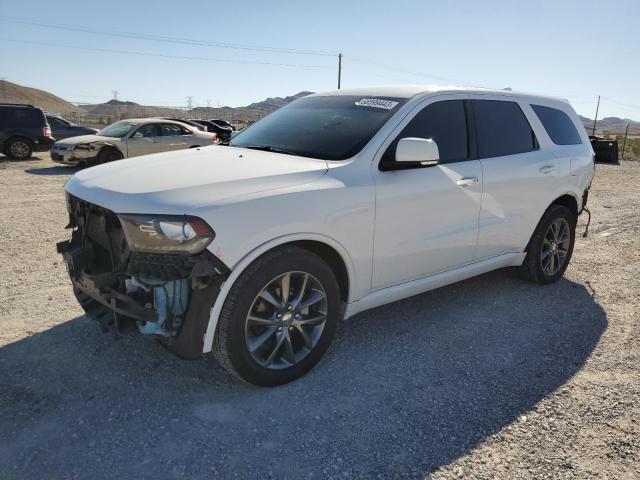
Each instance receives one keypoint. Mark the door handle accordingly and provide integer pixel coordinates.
(547, 169)
(466, 181)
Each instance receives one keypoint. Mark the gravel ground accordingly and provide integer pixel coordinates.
(489, 378)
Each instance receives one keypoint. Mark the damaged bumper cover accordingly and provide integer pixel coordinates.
(161, 293)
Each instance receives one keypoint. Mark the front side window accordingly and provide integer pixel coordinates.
(117, 130)
(444, 122)
(149, 130)
(502, 129)
(558, 125)
(334, 127)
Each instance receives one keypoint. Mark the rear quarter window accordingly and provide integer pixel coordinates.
(558, 125)
(502, 128)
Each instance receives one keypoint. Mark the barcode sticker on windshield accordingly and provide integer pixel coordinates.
(376, 103)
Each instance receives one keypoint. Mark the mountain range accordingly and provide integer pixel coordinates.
(14, 93)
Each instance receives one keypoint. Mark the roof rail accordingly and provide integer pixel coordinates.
(15, 104)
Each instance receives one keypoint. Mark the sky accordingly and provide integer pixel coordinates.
(235, 53)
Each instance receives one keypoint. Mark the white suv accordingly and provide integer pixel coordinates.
(334, 204)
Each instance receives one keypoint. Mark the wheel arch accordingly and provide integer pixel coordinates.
(567, 199)
(7, 141)
(326, 247)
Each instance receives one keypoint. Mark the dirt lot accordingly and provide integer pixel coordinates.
(489, 378)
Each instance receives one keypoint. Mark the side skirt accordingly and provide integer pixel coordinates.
(421, 285)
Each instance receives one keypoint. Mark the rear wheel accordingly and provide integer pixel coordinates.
(19, 149)
(551, 246)
(279, 317)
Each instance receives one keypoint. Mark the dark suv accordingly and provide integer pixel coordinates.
(23, 130)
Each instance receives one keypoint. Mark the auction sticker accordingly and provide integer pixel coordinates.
(376, 103)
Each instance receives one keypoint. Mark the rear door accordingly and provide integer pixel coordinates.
(519, 176)
(175, 137)
(427, 217)
(145, 140)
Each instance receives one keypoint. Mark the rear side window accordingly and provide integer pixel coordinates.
(502, 129)
(444, 122)
(558, 125)
(22, 117)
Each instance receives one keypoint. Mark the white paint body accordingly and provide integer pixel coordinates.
(399, 233)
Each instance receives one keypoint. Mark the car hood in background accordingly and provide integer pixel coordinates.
(88, 139)
(179, 182)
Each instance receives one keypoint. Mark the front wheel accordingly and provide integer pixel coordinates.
(278, 318)
(551, 246)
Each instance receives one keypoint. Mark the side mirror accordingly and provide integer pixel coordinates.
(420, 150)
(137, 135)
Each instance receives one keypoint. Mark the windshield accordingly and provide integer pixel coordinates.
(329, 128)
(117, 130)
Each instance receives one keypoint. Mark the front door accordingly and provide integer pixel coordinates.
(427, 217)
(145, 140)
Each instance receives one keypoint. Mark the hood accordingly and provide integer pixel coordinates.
(181, 181)
(88, 139)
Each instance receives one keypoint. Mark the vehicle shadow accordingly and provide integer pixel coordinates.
(61, 170)
(405, 389)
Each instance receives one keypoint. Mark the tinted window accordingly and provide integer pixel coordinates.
(57, 122)
(22, 117)
(333, 127)
(445, 123)
(502, 129)
(558, 125)
(149, 130)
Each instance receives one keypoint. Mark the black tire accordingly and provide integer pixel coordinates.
(109, 155)
(230, 347)
(18, 148)
(532, 267)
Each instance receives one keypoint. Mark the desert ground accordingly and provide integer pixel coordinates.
(489, 378)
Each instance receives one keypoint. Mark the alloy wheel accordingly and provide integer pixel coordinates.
(19, 149)
(555, 246)
(286, 320)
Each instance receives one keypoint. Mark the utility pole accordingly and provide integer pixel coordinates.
(115, 97)
(189, 103)
(595, 120)
(339, 69)
(624, 143)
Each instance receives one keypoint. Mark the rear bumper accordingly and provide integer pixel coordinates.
(42, 144)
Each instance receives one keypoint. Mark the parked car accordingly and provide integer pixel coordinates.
(223, 123)
(129, 138)
(62, 128)
(223, 133)
(23, 130)
(255, 250)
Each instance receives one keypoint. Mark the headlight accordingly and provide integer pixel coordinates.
(166, 233)
(84, 146)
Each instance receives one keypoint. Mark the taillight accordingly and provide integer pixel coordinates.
(214, 139)
(46, 131)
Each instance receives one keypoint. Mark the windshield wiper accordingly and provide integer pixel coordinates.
(266, 148)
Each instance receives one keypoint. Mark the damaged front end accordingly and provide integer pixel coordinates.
(150, 273)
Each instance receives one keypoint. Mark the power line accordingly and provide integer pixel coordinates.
(167, 39)
(162, 55)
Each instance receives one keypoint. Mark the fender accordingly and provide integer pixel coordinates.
(565, 190)
(240, 266)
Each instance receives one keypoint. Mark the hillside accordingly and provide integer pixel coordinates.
(613, 125)
(117, 108)
(13, 93)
